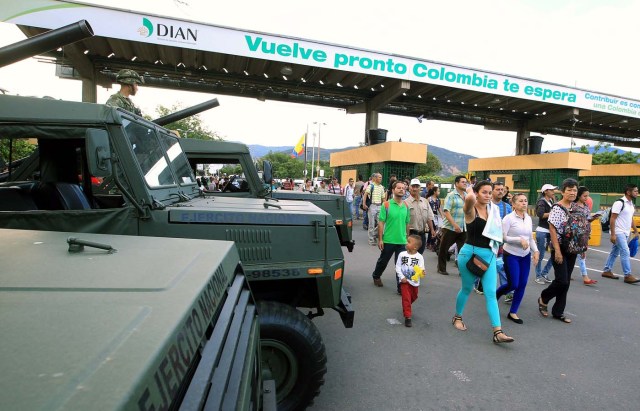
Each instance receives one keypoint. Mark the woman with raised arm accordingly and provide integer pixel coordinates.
(484, 235)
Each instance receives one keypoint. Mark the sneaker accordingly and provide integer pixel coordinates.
(407, 322)
(539, 280)
(377, 282)
(630, 279)
(508, 298)
(477, 291)
(546, 279)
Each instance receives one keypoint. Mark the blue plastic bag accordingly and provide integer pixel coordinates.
(633, 246)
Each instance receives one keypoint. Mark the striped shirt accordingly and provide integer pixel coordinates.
(454, 203)
(376, 192)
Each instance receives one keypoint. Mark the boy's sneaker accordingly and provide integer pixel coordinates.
(407, 322)
(547, 279)
(478, 291)
(508, 298)
(539, 280)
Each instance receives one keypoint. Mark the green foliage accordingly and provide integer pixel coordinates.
(20, 149)
(433, 166)
(608, 157)
(190, 127)
(284, 166)
(231, 169)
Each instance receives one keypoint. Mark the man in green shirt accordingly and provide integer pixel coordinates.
(393, 229)
(128, 80)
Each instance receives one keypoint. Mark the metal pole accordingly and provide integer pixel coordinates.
(319, 127)
(313, 155)
(305, 152)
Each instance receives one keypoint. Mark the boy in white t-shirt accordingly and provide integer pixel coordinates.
(409, 269)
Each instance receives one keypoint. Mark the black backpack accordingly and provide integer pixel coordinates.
(605, 220)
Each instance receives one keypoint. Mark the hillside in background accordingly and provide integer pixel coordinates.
(452, 162)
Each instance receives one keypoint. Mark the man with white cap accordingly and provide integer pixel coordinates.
(543, 236)
(420, 214)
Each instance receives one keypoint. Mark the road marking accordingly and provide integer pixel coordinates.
(461, 376)
(393, 321)
(607, 252)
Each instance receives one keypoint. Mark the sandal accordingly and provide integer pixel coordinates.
(506, 338)
(458, 318)
(563, 319)
(542, 308)
(590, 282)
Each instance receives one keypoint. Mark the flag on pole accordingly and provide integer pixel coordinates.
(298, 149)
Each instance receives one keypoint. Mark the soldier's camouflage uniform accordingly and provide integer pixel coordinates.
(118, 100)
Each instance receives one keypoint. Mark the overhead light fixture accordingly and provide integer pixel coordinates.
(246, 73)
(321, 82)
(286, 70)
(338, 84)
(85, 52)
(159, 61)
(284, 78)
(204, 67)
(134, 58)
(404, 94)
(419, 95)
(303, 80)
(355, 86)
(59, 49)
(181, 64)
(225, 70)
(382, 85)
(265, 75)
(111, 55)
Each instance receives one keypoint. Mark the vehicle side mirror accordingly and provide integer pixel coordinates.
(98, 152)
(267, 174)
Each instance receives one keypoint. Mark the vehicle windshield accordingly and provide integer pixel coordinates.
(152, 156)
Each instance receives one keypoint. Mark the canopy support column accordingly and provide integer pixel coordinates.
(521, 139)
(371, 123)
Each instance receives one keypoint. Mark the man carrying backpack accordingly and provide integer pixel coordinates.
(620, 221)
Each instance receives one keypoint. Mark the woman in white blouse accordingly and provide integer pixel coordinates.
(517, 230)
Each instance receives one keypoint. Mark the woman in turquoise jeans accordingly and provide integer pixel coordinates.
(477, 209)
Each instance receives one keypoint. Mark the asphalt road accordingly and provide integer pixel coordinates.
(379, 364)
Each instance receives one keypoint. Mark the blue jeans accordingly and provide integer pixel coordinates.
(583, 265)
(350, 207)
(542, 239)
(620, 247)
(356, 206)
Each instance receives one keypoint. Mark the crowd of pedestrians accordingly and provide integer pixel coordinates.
(491, 235)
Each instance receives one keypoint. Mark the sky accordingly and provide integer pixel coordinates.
(588, 44)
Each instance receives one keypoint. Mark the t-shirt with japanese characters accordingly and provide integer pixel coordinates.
(405, 267)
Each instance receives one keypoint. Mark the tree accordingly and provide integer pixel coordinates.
(190, 127)
(608, 155)
(433, 166)
(284, 166)
(20, 148)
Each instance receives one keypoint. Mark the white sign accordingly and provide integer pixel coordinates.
(134, 26)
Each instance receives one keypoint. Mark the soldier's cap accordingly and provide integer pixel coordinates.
(127, 76)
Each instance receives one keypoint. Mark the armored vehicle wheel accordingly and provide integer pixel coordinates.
(293, 351)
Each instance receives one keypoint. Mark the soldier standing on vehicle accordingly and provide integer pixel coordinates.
(128, 80)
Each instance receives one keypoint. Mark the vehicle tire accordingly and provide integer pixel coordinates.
(293, 352)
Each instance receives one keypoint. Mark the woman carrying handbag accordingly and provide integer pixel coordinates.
(477, 258)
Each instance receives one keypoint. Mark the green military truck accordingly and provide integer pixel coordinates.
(108, 322)
(101, 169)
(247, 183)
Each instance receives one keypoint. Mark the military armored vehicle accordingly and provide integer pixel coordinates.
(107, 322)
(247, 183)
(101, 169)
